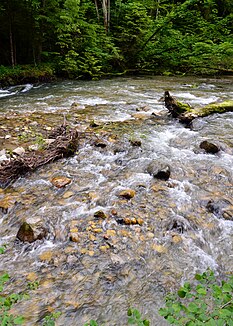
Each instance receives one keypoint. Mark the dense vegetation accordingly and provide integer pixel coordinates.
(94, 38)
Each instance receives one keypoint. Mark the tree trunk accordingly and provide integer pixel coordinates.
(186, 114)
(97, 10)
(106, 13)
(12, 45)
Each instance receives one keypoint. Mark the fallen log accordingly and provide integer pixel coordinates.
(185, 113)
(64, 145)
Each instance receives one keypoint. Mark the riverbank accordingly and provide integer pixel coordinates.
(24, 74)
(48, 72)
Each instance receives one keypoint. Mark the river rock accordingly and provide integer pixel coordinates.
(141, 115)
(7, 203)
(136, 142)
(127, 193)
(26, 233)
(74, 105)
(100, 214)
(20, 151)
(60, 181)
(32, 230)
(209, 147)
(100, 143)
(94, 124)
(221, 208)
(130, 221)
(159, 171)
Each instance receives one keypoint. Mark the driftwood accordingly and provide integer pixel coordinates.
(185, 113)
(64, 145)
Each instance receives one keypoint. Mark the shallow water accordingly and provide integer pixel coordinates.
(114, 266)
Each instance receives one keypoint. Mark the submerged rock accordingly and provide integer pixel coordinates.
(7, 203)
(100, 143)
(159, 171)
(130, 221)
(127, 193)
(100, 214)
(94, 124)
(136, 142)
(221, 208)
(209, 147)
(60, 181)
(26, 233)
(29, 233)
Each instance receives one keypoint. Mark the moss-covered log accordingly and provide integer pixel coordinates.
(186, 114)
(64, 145)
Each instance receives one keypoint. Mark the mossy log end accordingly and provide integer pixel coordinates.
(64, 145)
(186, 114)
(174, 107)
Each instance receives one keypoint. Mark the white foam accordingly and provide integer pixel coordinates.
(27, 88)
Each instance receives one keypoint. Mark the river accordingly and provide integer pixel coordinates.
(91, 267)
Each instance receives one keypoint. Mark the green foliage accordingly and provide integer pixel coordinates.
(27, 73)
(35, 137)
(6, 302)
(188, 36)
(131, 29)
(33, 285)
(134, 318)
(50, 319)
(91, 323)
(208, 302)
(2, 249)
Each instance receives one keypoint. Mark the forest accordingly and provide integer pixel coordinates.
(96, 38)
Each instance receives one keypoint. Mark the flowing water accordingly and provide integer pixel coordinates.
(185, 224)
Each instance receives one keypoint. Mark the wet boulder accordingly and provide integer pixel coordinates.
(60, 181)
(127, 193)
(100, 215)
(209, 147)
(26, 233)
(100, 143)
(221, 208)
(8, 202)
(135, 142)
(32, 230)
(94, 124)
(159, 171)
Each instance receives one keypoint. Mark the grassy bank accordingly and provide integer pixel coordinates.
(26, 74)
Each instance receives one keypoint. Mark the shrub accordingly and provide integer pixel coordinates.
(208, 302)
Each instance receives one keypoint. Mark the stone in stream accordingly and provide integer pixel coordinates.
(136, 142)
(100, 214)
(159, 171)
(60, 181)
(209, 147)
(127, 193)
(7, 203)
(130, 221)
(26, 233)
(32, 231)
(19, 151)
(221, 208)
(100, 143)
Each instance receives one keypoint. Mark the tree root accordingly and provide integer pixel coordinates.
(64, 145)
